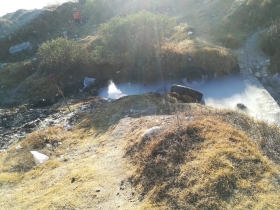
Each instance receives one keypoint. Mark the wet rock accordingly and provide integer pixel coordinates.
(14, 125)
(275, 81)
(94, 87)
(258, 74)
(241, 106)
(29, 125)
(183, 90)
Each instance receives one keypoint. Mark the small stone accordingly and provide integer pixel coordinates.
(73, 180)
(258, 74)
(98, 190)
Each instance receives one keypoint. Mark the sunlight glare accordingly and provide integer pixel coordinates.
(14, 5)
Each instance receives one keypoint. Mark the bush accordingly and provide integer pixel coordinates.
(97, 11)
(255, 13)
(243, 17)
(62, 55)
(135, 40)
(270, 44)
(186, 58)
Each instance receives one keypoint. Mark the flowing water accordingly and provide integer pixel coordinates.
(223, 93)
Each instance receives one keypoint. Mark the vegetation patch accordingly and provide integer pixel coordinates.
(202, 158)
(204, 163)
(20, 159)
(62, 55)
(243, 17)
(13, 74)
(135, 42)
(137, 45)
(193, 53)
(269, 43)
(131, 106)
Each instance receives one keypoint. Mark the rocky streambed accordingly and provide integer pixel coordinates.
(254, 63)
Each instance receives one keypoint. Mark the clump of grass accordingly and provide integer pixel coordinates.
(265, 135)
(204, 164)
(181, 32)
(213, 59)
(132, 106)
(21, 160)
(9, 178)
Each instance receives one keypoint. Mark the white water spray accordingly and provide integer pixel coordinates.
(114, 92)
(223, 93)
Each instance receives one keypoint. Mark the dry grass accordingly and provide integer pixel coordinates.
(202, 159)
(131, 106)
(212, 58)
(205, 164)
(21, 160)
(49, 185)
(69, 179)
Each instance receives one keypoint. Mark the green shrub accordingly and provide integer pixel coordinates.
(243, 17)
(97, 11)
(62, 55)
(135, 40)
(270, 44)
(256, 13)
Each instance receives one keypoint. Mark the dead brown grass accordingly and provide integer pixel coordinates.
(204, 164)
(21, 160)
(203, 158)
(132, 106)
(214, 59)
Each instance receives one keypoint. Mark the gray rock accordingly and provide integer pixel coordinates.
(275, 81)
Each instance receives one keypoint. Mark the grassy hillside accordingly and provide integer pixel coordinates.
(269, 42)
(198, 158)
(201, 158)
(144, 55)
(216, 26)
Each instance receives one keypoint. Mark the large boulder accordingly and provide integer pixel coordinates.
(183, 90)
(95, 86)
